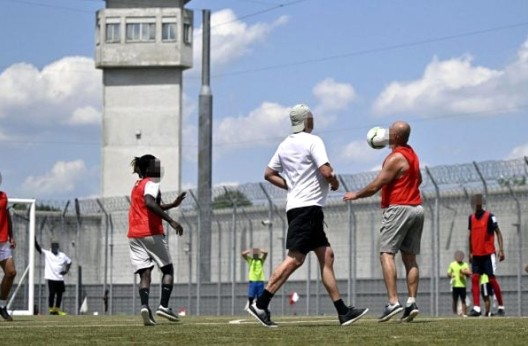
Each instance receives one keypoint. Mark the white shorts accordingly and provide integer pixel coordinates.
(5, 251)
(146, 251)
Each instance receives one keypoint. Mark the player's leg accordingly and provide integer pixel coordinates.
(51, 297)
(463, 301)
(8, 266)
(454, 301)
(490, 267)
(141, 260)
(61, 288)
(475, 285)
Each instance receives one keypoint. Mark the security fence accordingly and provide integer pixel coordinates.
(93, 233)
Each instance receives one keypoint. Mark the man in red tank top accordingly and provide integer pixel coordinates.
(146, 237)
(403, 218)
(482, 229)
(7, 243)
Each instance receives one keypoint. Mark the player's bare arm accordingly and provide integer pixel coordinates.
(327, 172)
(275, 178)
(392, 169)
(12, 242)
(263, 254)
(501, 244)
(176, 203)
(151, 204)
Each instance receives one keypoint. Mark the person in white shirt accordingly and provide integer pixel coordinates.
(57, 265)
(301, 166)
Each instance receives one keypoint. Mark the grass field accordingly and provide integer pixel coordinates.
(243, 330)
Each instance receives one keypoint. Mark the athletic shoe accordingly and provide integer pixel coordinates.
(351, 316)
(474, 313)
(489, 314)
(501, 312)
(146, 314)
(53, 311)
(389, 312)
(168, 314)
(246, 307)
(409, 313)
(263, 316)
(60, 312)
(5, 314)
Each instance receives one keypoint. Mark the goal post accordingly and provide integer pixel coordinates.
(28, 274)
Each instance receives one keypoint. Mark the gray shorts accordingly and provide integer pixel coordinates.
(401, 229)
(5, 251)
(146, 251)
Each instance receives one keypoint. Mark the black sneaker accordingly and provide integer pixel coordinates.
(5, 314)
(474, 313)
(389, 312)
(263, 316)
(167, 313)
(409, 313)
(351, 316)
(146, 314)
(501, 312)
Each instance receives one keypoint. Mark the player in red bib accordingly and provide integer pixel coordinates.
(482, 229)
(146, 236)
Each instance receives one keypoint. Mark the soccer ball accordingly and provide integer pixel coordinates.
(377, 137)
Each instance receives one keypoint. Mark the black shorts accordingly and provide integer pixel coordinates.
(482, 265)
(306, 229)
(56, 286)
(459, 292)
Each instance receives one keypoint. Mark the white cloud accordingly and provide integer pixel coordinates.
(51, 94)
(457, 86)
(333, 96)
(518, 152)
(231, 38)
(255, 129)
(63, 177)
(85, 116)
(358, 151)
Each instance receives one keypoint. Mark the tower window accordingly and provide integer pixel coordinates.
(136, 32)
(113, 33)
(187, 33)
(168, 32)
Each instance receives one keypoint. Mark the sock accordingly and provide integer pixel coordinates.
(410, 301)
(340, 306)
(144, 296)
(166, 291)
(3, 303)
(475, 278)
(264, 300)
(496, 289)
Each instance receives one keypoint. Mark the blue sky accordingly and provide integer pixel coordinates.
(457, 71)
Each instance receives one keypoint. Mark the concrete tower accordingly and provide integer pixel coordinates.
(143, 47)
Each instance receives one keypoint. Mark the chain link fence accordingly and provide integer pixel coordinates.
(93, 233)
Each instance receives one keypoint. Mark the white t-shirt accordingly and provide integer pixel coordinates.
(54, 265)
(152, 188)
(298, 159)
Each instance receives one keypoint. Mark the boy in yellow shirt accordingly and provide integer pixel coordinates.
(458, 271)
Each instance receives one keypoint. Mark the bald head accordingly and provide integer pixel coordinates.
(400, 132)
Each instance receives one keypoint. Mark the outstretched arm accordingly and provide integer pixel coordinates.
(154, 207)
(391, 169)
(37, 246)
(175, 203)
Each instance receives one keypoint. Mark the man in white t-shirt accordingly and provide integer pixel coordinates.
(57, 265)
(301, 166)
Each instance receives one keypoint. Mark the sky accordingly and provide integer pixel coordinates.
(457, 71)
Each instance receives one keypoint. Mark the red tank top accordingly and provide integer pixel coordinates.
(403, 190)
(141, 221)
(482, 241)
(4, 226)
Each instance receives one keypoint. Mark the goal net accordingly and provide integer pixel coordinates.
(21, 299)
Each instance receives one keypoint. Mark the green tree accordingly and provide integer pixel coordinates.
(226, 200)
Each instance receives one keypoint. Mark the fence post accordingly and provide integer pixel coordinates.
(436, 241)
(219, 283)
(269, 223)
(234, 250)
(519, 251)
(352, 249)
(105, 280)
(198, 262)
(188, 251)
